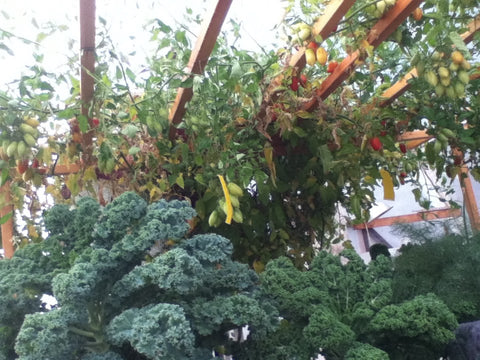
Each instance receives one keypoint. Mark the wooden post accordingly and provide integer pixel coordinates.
(87, 61)
(469, 199)
(7, 227)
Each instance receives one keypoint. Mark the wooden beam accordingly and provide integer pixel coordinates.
(410, 218)
(469, 199)
(7, 227)
(473, 27)
(324, 26)
(379, 32)
(198, 59)
(59, 169)
(414, 135)
(415, 138)
(413, 144)
(397, 89)
(87, 62)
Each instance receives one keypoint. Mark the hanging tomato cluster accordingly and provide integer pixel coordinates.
(448, 75)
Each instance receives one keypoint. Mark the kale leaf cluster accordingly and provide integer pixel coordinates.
(344, 309)
(115, 301)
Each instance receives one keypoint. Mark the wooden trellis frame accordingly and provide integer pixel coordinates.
(87, 63)
(324, 26)
(198, 59)
(419, 137)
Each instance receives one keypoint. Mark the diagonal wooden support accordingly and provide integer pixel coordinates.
(397, 89)
(198, 59)
(414, 139)
(379, 32)
(324, 27)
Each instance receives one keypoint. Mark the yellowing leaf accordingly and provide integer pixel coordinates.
(367, 47)
(268, 152)
(179, 181)
(154, 192)
(258, 266)
(305, 114)
(387, 182)
(51, 189)
(89, 174)
(32, 231)
(228, 201)
(72, 184)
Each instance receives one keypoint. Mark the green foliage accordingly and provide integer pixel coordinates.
(240, 111)
(48, 334)
(118, 302)
(342, 308)
(73, 227)
(159, 331)
(361, 351)
(447, 266)
(415, 329)
(28, 275)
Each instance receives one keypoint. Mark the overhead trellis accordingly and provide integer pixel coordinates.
(204, 45)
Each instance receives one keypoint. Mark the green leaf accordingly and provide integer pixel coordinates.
(181, 37)
(133, 150)
(5, 218)
(4, 176)
(458, 42)
(417, 193)
(130, 74)
(237, 71)
(43, 85)
(430, 153)
(106, 81)
(188, 83)
(475, 172)
(179, 181)
(66, 114)
(299, 132)
(41, 36)
(118, 73)
(82, 123)
(326, 158)
(239, 156)
(6, 48)
(130, 130)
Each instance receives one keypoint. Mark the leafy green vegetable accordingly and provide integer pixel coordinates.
(344, 309)
(447, 267)
(117, 302)
(26, 277)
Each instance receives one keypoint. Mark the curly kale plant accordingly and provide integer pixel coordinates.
(117, 302)
(447, 267)
(27, 276)
(344, 309)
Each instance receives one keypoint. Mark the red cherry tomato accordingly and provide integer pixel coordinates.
(332, 65)
(376, 143)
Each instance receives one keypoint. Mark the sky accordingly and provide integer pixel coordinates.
(125, 21)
